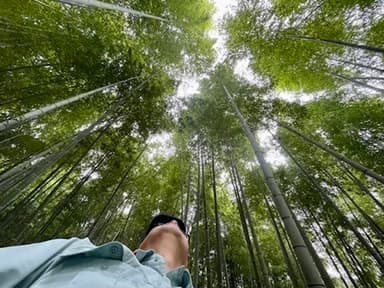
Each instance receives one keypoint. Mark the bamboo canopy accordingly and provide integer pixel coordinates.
(274, 162)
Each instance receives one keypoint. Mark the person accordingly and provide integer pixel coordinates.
(160, 261)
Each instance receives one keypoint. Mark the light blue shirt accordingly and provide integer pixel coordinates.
(79, 263)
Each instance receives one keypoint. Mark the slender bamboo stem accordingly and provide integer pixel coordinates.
(338, 42)
(309, 268)
(335, 154)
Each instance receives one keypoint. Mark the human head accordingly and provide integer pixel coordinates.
(166, 235)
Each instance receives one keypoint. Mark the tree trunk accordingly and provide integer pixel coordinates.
(59, 208)
(103, 5)
(219, 258)
(260, 255)
(324, 274)
(206, 230)
(335, 154)
(320, 238)
(123, 178)
(359, 184)
(338, 42)
(367, 78)
(291, 271)
(345, 220)
(349, 252)
(374, 226)
(24, 67)
(26, 164)
(311, 273)
(360, 65)
(102, 235)
(35, 171)
(56, 187)
(8, 124)
(236, 183)
(197, 220)
(8, 219)
(124, 227)
(353, 80)
(182, 180)
(360, 225)
(186, 211)
(5, 45)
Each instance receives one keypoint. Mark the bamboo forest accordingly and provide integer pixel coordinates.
(262, 128)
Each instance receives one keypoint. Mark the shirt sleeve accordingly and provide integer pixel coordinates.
(20, 263)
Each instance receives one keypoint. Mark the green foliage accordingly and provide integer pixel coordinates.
(58, 179)
(272, 37)
(359, 129)
(374, 35)
(284, 8)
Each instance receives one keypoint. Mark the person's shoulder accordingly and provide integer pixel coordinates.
(20, 263)
(40, 252)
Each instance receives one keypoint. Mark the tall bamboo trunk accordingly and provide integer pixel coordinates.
(49, 198)
(24, 165)
(338, 42)
(35, 171)
(355, 81)
(359, 224)
(27, 201)
(324, 274)
(182, 180)
(320, 238)
(361, 186)
(349, 254)
(236, 183)
(290, 269)
(374, 226)
(8, 124)
(379, 259)
(197, 220)
(260, 255)
(24, 67)
(123, 178)
(308, 267)
(124, 227)
(206, 229)
(367, 78)
(64, 202)
(103, 5)
(189, 179)
(219, 258)
(335, 154)
(107, 225)
(360, 65)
